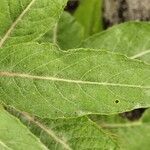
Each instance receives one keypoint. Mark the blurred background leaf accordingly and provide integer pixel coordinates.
(89, 14)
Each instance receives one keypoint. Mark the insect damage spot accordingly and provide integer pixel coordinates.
(117, 101)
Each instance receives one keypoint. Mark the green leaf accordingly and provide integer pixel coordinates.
(89, 14)
(131, 39)
(70, 134)
(27, 20)
(132, 135)
(68, 33)
(47, 82)
(15, 136)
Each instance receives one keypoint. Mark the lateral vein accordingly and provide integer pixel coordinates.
(11, 74)
(7, 34)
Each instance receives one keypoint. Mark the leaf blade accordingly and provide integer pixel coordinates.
(72, 83)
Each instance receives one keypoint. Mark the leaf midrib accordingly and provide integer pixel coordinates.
(50, 78)
(12, 27)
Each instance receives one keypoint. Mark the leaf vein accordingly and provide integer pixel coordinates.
(50, 78)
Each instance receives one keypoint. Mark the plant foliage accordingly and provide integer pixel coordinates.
(58, 91)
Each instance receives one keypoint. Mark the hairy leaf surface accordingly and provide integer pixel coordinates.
(26, 20)
(15, 136)
(47, 82)
(131, 39)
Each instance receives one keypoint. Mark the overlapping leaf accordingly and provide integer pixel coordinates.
(67, 33)
(69, 134)
(46, 82)
(130, 38)
(26, 20)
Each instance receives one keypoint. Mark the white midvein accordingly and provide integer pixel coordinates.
(47, 130)
(7, 34)
(11, 74)
(140, 54)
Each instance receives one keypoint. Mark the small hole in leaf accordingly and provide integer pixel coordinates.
(116, 101)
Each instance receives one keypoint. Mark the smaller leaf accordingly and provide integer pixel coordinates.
(15, 136)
